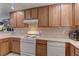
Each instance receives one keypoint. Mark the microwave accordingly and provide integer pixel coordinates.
(74, 35)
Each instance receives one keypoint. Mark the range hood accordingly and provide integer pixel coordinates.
(31, 21)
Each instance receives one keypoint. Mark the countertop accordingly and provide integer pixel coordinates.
(19, 35)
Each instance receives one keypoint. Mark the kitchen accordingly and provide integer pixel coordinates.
(39, 29)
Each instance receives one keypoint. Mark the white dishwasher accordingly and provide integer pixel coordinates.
(55, 48)
(28, 46)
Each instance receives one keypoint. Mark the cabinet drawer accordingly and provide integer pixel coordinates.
(41, 41)
(56, 44)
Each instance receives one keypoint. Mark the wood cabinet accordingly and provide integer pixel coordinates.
(16, 19)
(27, 14)
(54, 15)
(66, 15)
(13, 19)
(72, 50)
(34, 13)
(76, 13)
(4, 47)
(43, 16)
(76, 52)
(41, 47)
(67, 49)
(48, 16)
(8, 45)
(15, 45)
(20, 18)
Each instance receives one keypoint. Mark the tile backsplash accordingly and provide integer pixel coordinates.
(56, 32)
(59, 32)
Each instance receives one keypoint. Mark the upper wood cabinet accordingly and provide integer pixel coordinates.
(31, 13)
(77, 14)
(43, 16)
(48, 16)
(13, 19)
(20, 19)
(66, 15)
(27, 14)
(34, 13)
(54, 15)
(16, 19)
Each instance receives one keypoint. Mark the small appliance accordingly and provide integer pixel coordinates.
(74, 35)
(1, 26)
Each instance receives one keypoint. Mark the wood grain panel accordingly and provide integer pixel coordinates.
(54, 15)
(34, 13)
(43, 16)
(13, 19)
(28, 14)
(77, 14)
(66, 15)
(20, 19)
(41, 48)
(67, 49)
(72, 50)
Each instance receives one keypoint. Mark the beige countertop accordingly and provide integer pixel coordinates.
(19, 35)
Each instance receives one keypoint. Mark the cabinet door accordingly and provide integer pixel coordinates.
(43, 16)
(20, 18)
(67, 49)
(72, 50)
(66, 15)
(76, 51)
(41, 50)
(16, 45)
(34, 13)
(4, 48)
(27, 14)
(41, 47)
(13, 19)
(77, 14)
(54, 15)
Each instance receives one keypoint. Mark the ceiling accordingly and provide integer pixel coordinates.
(5, 8)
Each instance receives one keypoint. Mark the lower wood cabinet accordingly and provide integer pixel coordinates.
(8, 45)
(4, 46)
(72, 50)
(76, 52)
(67, 49)
(15, 45)
(41, 48)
